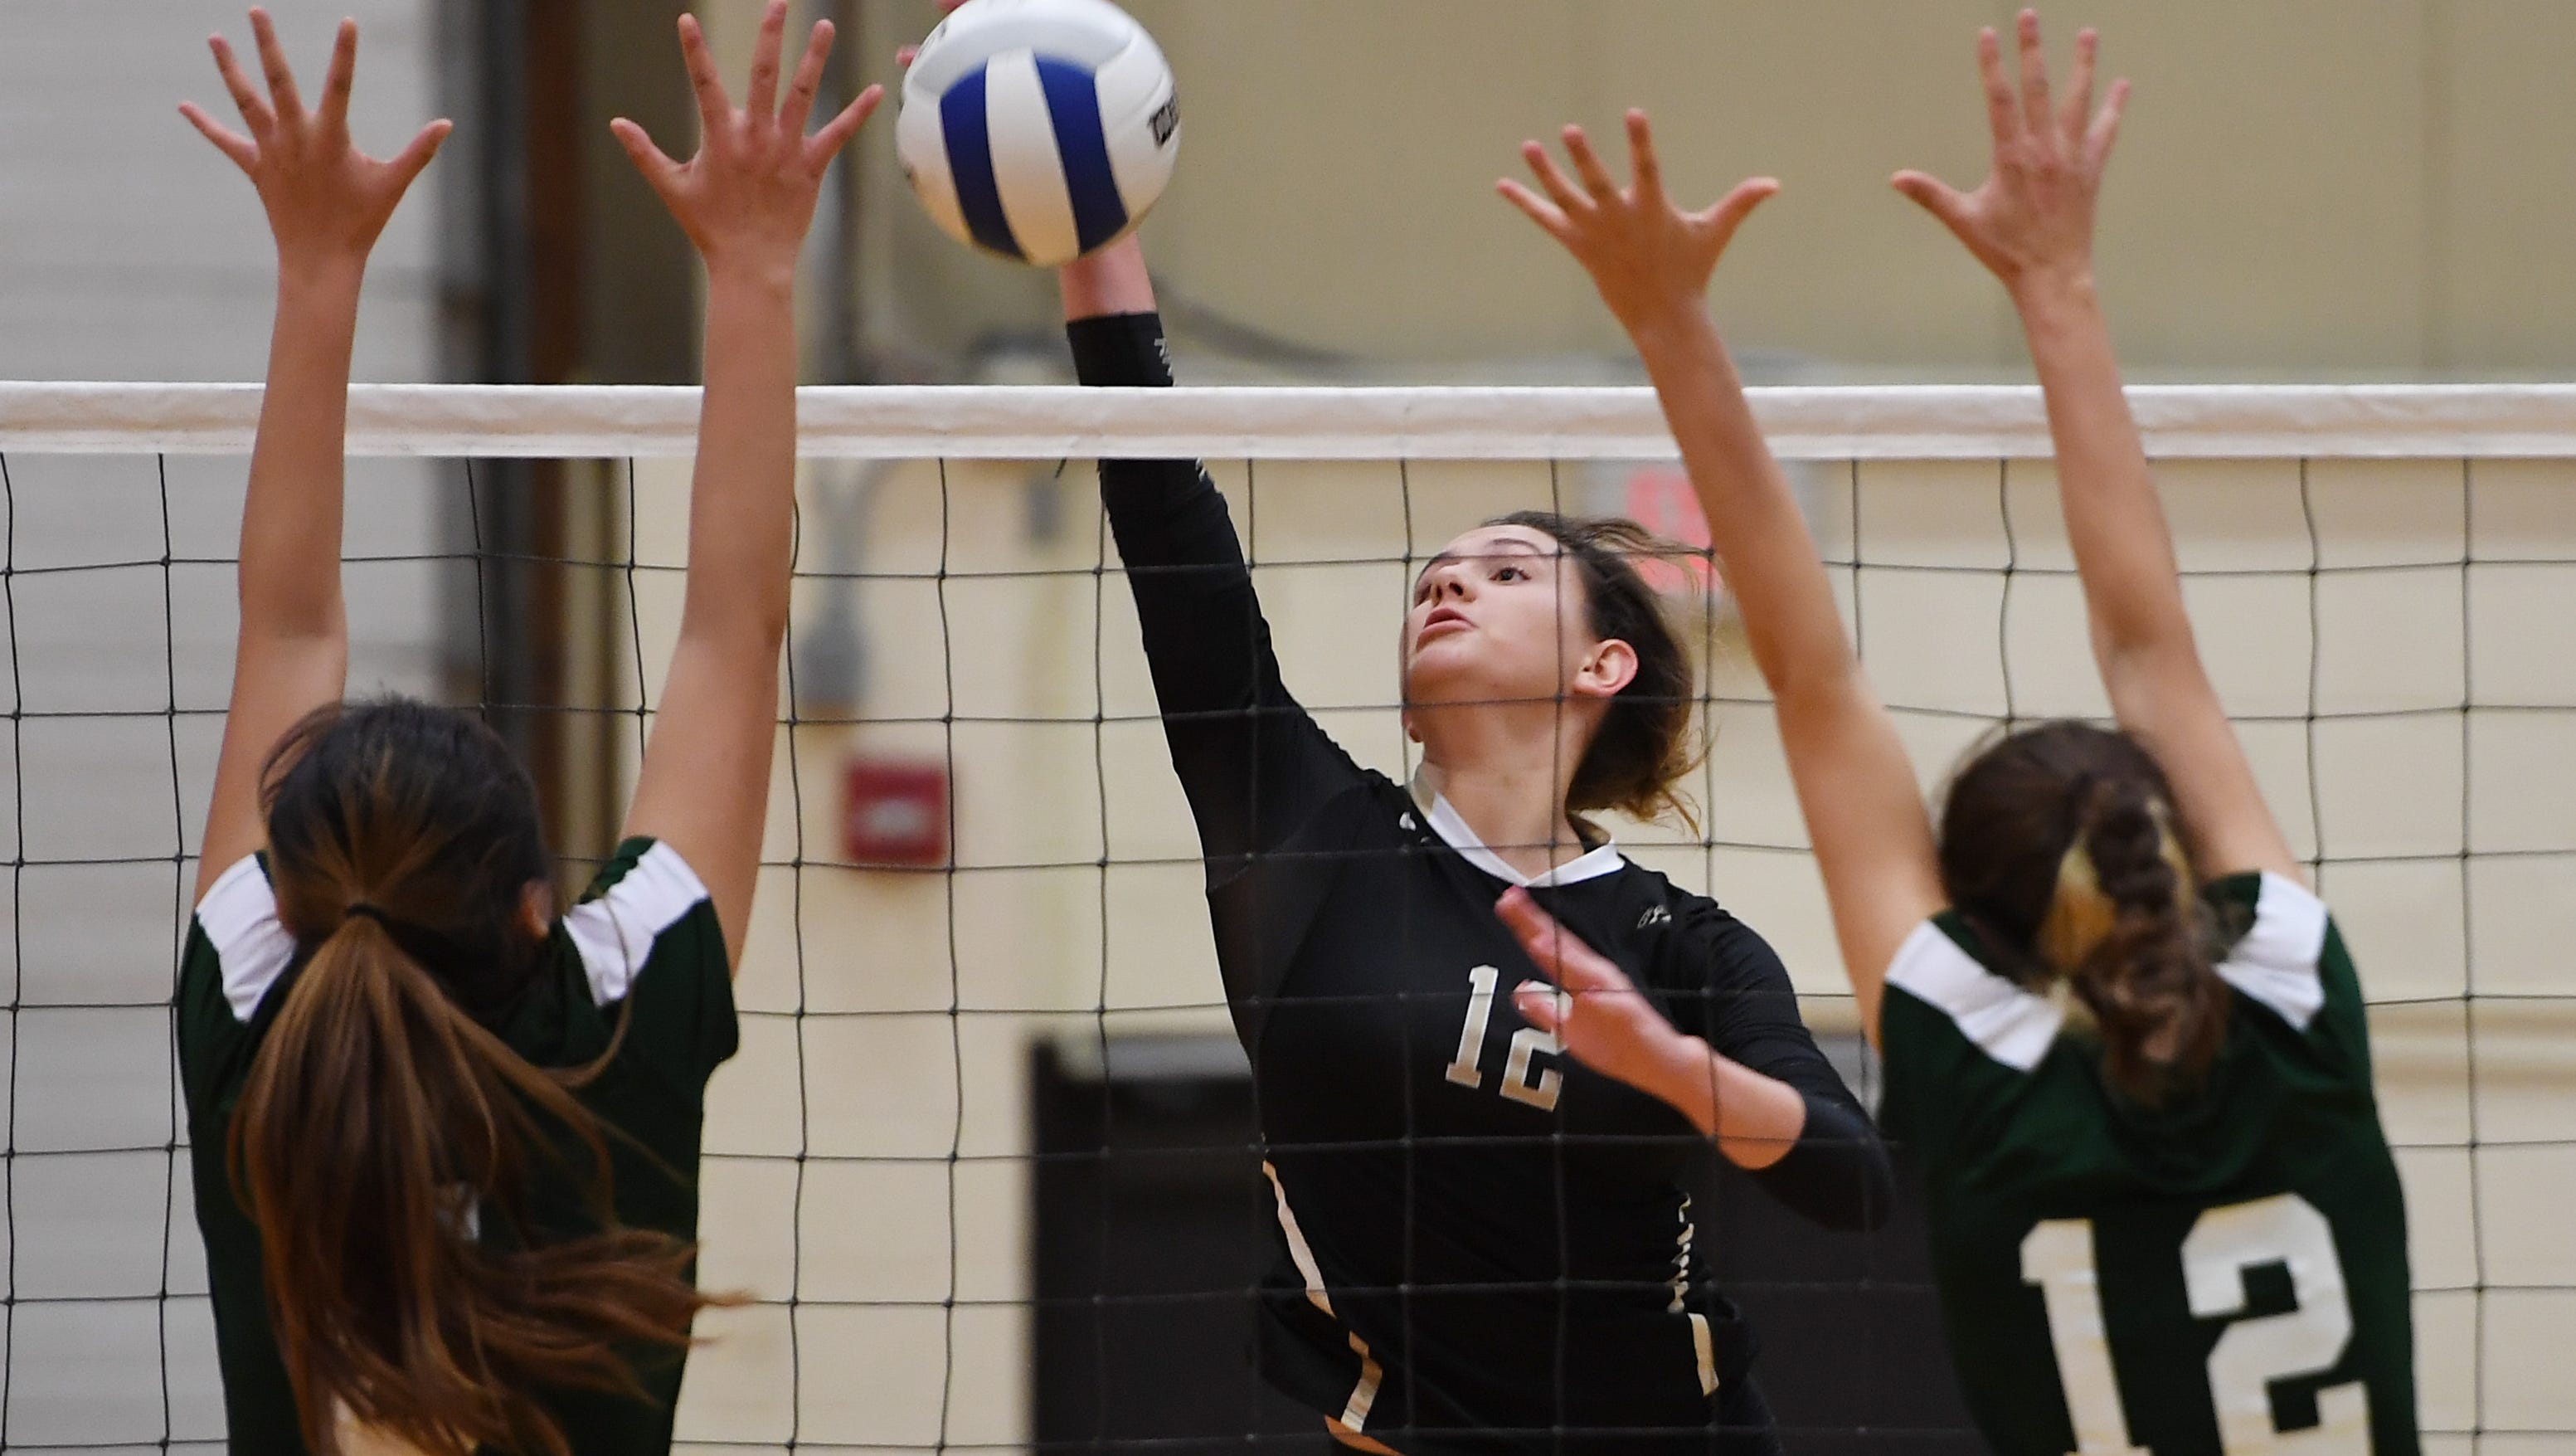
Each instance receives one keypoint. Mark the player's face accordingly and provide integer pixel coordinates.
(1498, 616)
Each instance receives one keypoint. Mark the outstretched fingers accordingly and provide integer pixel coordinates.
(658, 169)
(1559, 953)
(2105, 132)
(272, 60)
(241, 149)
(808, 80)
(1732, 209)
(2078, 107)
(336, 84)
(1933, 195)
(2003, 114)
(1643, 165)
(715, 109)
(836, 133)
(1560, 190)
(408, 163)
(1571, 967)
(761, 101)
(1549, 217)
(254, 109)
(2038, 113)
(1532, 927)
(1587, 165)
(1543, 1006)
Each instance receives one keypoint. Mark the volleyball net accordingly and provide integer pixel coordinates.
(984, 1159)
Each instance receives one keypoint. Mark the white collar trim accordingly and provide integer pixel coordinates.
(1453, 829)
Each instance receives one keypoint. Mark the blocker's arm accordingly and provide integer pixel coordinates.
(2031, 223)
(326, 203)
(1652, 264)
(746, 201)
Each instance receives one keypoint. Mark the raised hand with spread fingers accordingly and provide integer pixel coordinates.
(2108, 1051)
(2031, 220)
(327, 202)
(746, 200)
(1651, 260)
(387, 999)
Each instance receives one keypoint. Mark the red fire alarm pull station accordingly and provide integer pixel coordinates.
(894, 814)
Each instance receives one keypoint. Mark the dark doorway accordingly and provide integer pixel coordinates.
(1150, 1210)
(1853, 1359)
(1152, 1225)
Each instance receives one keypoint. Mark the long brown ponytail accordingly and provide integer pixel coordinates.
(384, 1128)
(2058, 844)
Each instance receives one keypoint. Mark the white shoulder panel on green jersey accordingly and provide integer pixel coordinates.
(239, 916)
(616, 931)
(2276, 961)
(2006, 1022)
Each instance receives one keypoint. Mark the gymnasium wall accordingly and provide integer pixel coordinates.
(2305, 188)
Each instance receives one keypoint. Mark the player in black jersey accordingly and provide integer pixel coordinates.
(445, 1142)
(1480, 1245)
(2125, 1038)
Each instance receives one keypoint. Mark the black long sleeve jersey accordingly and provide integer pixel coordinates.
(1482, 1245)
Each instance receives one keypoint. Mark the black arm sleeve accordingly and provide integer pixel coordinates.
(1837, 1175)
(1254, 765)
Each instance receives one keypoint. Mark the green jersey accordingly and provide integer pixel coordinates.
(2225, 1273)
(642, 946)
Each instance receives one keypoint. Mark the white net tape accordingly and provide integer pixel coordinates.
(1037, 423)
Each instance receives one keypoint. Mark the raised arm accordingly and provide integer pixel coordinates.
(1652, 263)
(1251, 761)
(1254, 764)
(326, 203)
(2031, 223)
(745, 200)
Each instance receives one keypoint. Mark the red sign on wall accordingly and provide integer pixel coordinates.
(894, 813)
(1660, 498)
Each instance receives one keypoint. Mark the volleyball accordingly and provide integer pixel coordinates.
(1038, 130)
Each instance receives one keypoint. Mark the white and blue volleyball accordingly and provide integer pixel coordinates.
(1038, 129)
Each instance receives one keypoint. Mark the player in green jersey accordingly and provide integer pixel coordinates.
(2124, 1037)
(445, 1141)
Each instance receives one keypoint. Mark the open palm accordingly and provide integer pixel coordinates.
(1645, 254)
(2033, 215)
(747, 197)
(1595, 1012)
(324, 197)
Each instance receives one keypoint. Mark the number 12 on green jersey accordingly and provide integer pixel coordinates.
(2252, 1354)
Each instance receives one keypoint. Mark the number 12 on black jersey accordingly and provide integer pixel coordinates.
(1527, 1044)
(2058, 1256)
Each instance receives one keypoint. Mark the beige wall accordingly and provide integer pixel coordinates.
(2306, 188)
